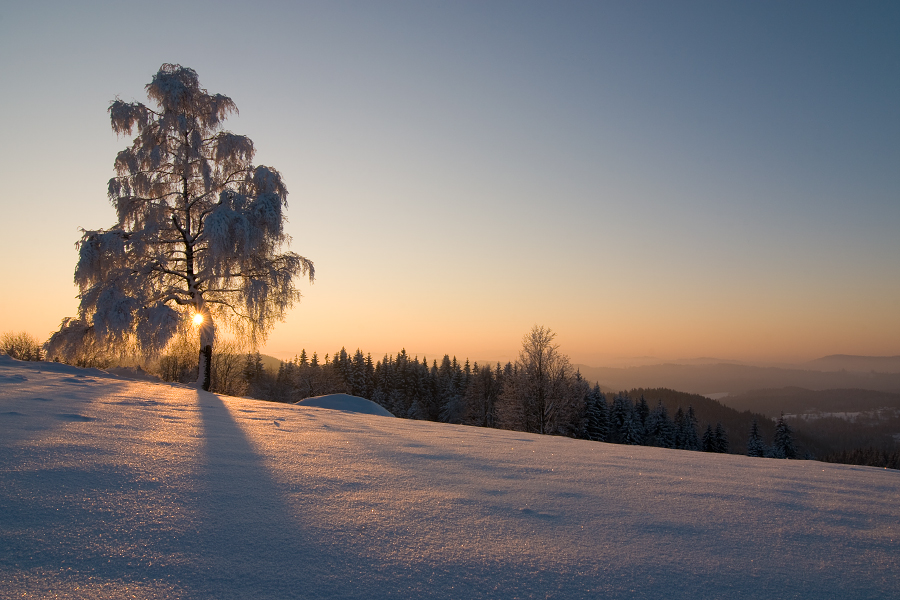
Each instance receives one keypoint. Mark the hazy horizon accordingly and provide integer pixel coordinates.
(646, 179)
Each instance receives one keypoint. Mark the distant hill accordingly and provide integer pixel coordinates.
(736, 378)
(736, 423)
(795, 400)
(270, 363)
(848, 362)
(834, 420)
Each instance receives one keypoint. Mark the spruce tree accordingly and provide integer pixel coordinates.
(660, 429)
(708, 442)
(622, 408)
(691, 441)
(680, 430)
(643, 411)
(721, 439)
(784, 440)
(632, 430)
(597, 427)
(755, 445)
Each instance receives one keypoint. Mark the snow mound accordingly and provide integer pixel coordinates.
(49, 367)
(347, 403)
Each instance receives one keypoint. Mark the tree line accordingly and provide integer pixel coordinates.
(538, 393)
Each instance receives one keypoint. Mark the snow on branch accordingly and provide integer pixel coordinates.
(233, 149)
(98, 253)
(156, 326)
(125, 115)
(114, 316)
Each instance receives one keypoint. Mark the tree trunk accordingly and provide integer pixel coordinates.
(205, 365)
(207, 338)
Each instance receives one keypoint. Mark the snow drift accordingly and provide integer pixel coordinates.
(347, 403)
(114, 488)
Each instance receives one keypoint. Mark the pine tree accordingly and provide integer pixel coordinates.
(691, 441)
(680, 430)
(622, 407)
(643, 411)
(358, 374)
(708, 443)
(660, 429)
(720, 439)
(784, 440)
(369, 377)
(755, 445)
(632, 429)
(597, 427)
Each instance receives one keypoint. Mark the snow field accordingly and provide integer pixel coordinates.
(112, 488)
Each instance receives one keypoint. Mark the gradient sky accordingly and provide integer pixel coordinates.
(673, 179)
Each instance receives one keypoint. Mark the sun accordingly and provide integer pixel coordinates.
(198, 318)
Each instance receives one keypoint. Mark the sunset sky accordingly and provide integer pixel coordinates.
(666, 179)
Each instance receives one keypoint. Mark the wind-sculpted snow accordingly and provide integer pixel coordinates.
(347, 403)
(112, 488)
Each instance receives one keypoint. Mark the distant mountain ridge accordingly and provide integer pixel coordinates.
(794, 400)
(736, 378)
(850, 362)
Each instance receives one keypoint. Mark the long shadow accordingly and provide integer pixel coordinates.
(249, 543)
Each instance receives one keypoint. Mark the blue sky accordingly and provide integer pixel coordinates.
(672, 179)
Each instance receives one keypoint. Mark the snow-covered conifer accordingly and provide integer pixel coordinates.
(755, 445)
(622, 407)
(720, 439)
(643, 410)
(198, 230)
(597, 427)
(783, 446)
(691, 441)
(708, 442)
(660, 429)
(632, 429)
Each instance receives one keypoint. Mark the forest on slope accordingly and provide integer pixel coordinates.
(506, 396)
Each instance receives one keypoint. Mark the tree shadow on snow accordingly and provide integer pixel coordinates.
(249, 543)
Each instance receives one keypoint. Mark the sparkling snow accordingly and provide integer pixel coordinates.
(113, 488)
(347, 403)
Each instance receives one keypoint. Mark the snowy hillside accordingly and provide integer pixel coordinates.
(113, 488)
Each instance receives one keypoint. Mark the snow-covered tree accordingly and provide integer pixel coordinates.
(691, 440)
(755, 445)
(597, 412)
(783, 446)
(708, 441)
(660, 428)
(198, 234)
(622, 407)
(721, 439)
(632, 429)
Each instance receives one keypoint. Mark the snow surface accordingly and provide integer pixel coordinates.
(346, 402)
(113, 488)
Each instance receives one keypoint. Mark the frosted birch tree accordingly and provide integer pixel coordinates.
(199, 231)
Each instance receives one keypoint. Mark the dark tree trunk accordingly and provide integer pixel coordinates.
(206, 365)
